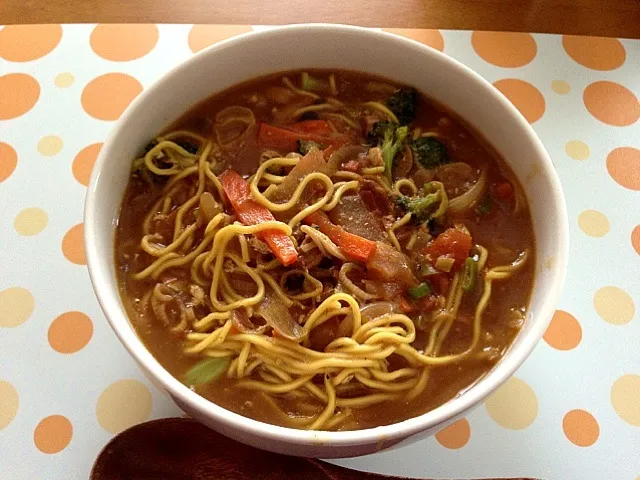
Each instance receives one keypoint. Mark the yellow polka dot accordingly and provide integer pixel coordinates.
(560, 87)
(593, 223)
(123, 404)
(614, 305)
(50, 145)
(625, 398)
(577, 150)
(9, 402)
(64, 80)
(16, 306)
(30, 221)
(514, 405)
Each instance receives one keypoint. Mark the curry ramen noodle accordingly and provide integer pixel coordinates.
(324, 250)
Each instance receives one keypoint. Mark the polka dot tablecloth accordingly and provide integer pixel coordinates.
(66, 384)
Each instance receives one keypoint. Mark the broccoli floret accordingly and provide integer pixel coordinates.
(309, 116)
(149, 146)
(429, 152)
(305, 146)
(390, 137)
(312, 83)
(188, 146)
(420, 207)
(403, 105)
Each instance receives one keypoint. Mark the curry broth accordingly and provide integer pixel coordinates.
(501, 231)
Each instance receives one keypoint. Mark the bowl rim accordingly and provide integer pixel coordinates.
(110, 301)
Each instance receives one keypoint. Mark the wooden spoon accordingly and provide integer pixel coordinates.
(183, 449)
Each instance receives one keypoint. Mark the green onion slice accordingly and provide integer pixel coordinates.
(206, 371)
(420, 291)
(469, 275)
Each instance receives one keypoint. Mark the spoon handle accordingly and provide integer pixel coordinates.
(183, 449)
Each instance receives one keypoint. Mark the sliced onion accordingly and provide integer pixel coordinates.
(278, 317)
(403, 164)
(280, 95)
(352, 214)
(310, 163)
(242, 322)
(208, 206)
(345, 327)
(469, 198)
(375, 310)
(460, 169)
(389, 265)
(338, 157)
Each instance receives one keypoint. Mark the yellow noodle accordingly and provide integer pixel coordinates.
(329, 409)
(405, 182)
(299, 91)
(391, 231)
(351, 287)
(355, 364)
(317, 284)
(324, 243)
(323, 107)
(382, 108)
(339, 192)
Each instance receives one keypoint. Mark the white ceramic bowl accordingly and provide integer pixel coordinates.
(337, 47)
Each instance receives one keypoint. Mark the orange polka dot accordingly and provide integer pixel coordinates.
(611, 103)
(505, 49)
(8, 161)
(23, 43)
(581, 428)
(455, 435)
(597, 53)
(623, 165)
(431, 38)
(524, 96)
(635, 239)
(53, 434)
(564, 331)
(107, 96)
(70, 332)
(19, 92)
(83, 163)
(121, 43)
(73, 245)
(201, 36)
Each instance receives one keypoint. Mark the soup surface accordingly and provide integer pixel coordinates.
(324, 250)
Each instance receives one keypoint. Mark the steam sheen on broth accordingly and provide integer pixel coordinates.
(324, 250)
